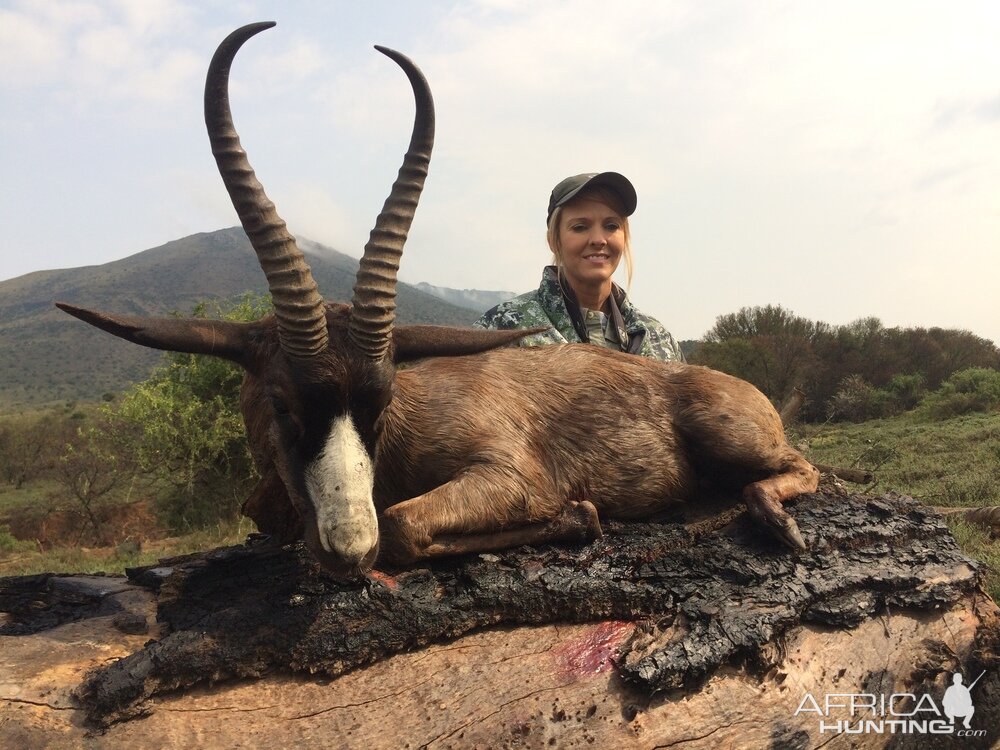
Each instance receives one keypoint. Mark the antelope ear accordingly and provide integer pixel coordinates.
(219, 338)
(416, 342)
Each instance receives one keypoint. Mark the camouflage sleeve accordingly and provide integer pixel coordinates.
(492, 319)
(659, 343)
(521, 312)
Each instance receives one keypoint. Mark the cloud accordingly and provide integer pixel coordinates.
(988, 110)
(86, 52)
(30, 50)
(154, 16)
(290, 61)
(965, 112)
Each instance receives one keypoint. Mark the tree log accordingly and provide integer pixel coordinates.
(712, 637)
(857, 476)
(790, 408)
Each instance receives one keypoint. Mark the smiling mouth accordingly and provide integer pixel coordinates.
(597, 256)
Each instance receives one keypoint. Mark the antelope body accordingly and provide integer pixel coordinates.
(473, 447)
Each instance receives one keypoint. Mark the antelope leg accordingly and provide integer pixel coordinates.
(482, 510)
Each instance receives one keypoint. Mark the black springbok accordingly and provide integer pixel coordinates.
(476, 446)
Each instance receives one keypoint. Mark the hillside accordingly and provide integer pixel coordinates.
(474, 299)
(46, 355)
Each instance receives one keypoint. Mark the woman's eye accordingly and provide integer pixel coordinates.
(612, 227)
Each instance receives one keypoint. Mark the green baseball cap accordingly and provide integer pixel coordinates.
(569, 188)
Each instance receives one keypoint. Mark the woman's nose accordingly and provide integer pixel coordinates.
(597, 238)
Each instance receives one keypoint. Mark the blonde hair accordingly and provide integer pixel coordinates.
(610, 199)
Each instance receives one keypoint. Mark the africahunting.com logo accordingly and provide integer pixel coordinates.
(899, 713)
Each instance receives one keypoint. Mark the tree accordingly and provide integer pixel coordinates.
(28, 447)
(91, 468)
(189, 432)
(860, 369)
(751, 322)
(768, 346)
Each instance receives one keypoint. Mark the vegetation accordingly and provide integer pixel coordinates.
(971, 390)
(27, 558)
(850, 373)
(167, 457)
(186, 432)
(91, 468)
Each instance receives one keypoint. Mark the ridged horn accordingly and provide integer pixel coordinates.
(298, 305)
(374, 304)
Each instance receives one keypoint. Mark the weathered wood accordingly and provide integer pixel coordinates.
(680, 612)
(790, 408)
(856, 476)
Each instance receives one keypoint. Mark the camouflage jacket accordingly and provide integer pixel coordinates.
(554, 304)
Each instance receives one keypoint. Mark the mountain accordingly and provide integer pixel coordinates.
(474, 299)
(46, 355)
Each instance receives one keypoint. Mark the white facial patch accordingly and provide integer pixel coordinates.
(339, 482)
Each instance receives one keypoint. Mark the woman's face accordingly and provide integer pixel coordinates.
(591, 242)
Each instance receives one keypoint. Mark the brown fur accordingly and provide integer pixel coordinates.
(478, 446)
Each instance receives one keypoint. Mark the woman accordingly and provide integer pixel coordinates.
(589, 236)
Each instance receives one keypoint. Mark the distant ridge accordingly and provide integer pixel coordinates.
(474, 299)
(46, 355)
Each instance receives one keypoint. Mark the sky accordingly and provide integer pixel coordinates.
(841, 159)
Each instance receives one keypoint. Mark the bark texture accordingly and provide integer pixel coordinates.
(697, 635)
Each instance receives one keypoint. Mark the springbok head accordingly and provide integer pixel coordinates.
(318, 375)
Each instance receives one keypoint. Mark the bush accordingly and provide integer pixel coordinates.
(857, 400)
(95, 470)
(8, 542)
(904, 392)
(969, 390)
(190, 434)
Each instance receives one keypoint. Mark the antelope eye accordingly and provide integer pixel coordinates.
(279, 406)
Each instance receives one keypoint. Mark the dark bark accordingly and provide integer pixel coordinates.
(246, 611)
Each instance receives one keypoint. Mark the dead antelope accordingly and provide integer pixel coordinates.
(493, 448)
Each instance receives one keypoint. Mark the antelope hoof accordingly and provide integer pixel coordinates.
(788, 532)
(580, 519)
(770, 514)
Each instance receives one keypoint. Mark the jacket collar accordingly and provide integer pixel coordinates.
(555, 290)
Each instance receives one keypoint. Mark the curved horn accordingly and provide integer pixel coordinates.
(298, 305)
(374, 302)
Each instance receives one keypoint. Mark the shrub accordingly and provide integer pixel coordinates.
(905, 391)
(857, 400)
(969, 390)
(8, 542)
(189, 432)
(93, 470)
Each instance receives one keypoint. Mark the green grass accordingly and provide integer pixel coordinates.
(32, 497)
(953, 462)
(27, 559)
(976, 543)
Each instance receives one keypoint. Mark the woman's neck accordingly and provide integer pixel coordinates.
(592, 298)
